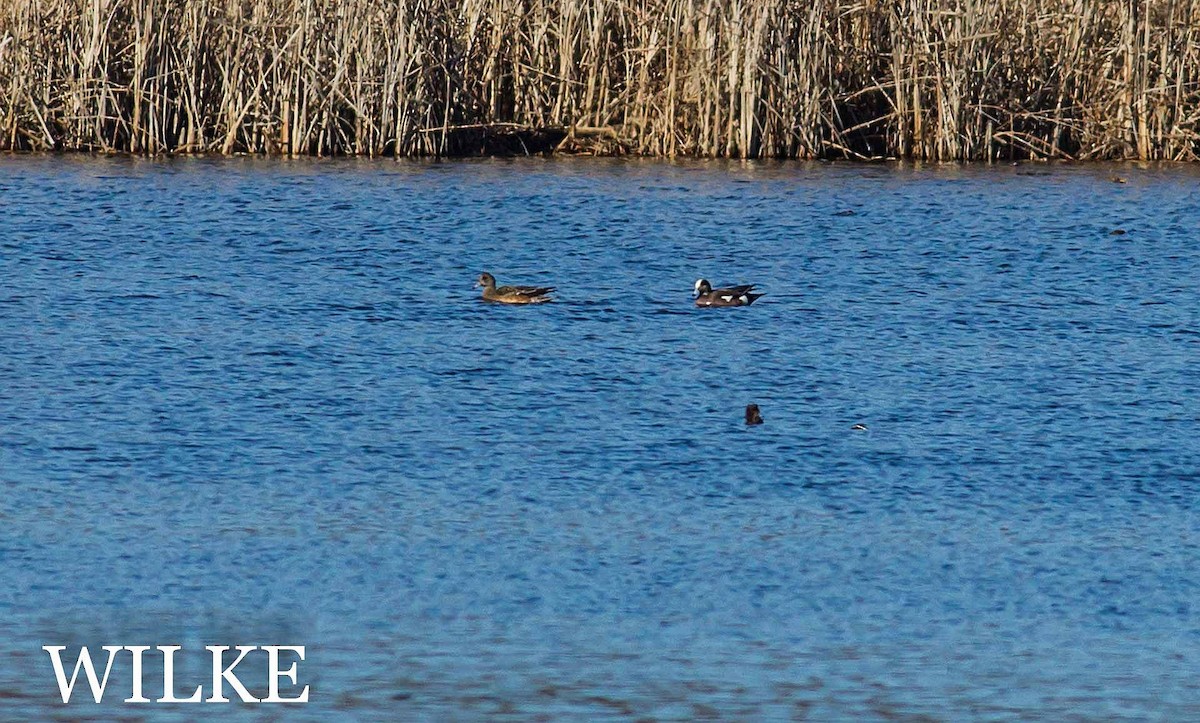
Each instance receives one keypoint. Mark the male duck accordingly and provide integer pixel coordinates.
(706, 295)
(512, 294)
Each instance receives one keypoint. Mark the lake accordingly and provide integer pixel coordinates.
(250, 402)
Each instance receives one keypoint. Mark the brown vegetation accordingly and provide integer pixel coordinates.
(928, 79)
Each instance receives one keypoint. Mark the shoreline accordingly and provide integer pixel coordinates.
(1046, 164)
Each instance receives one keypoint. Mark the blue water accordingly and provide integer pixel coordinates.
(259, 402)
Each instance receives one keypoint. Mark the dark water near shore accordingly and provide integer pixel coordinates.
(248, 402)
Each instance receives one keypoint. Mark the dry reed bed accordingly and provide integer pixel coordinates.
(927, 79)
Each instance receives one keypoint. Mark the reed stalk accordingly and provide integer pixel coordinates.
(940, 80)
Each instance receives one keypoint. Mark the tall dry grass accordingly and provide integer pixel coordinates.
(927, 79)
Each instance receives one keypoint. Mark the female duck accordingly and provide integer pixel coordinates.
(512, 294)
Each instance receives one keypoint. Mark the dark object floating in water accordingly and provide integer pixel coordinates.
(752, 414)
(847, 212)
(512, 294)
(706, 295)
(1117, 232)
(1116, 179)
(859, 427)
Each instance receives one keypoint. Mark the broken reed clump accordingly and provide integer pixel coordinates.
(924, 79)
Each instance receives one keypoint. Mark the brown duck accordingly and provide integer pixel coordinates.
(753, 416)
(706, 295)
(512, 294)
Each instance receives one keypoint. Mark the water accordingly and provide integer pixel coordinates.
(247, 402)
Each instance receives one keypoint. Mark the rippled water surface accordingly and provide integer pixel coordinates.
(247, 402)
